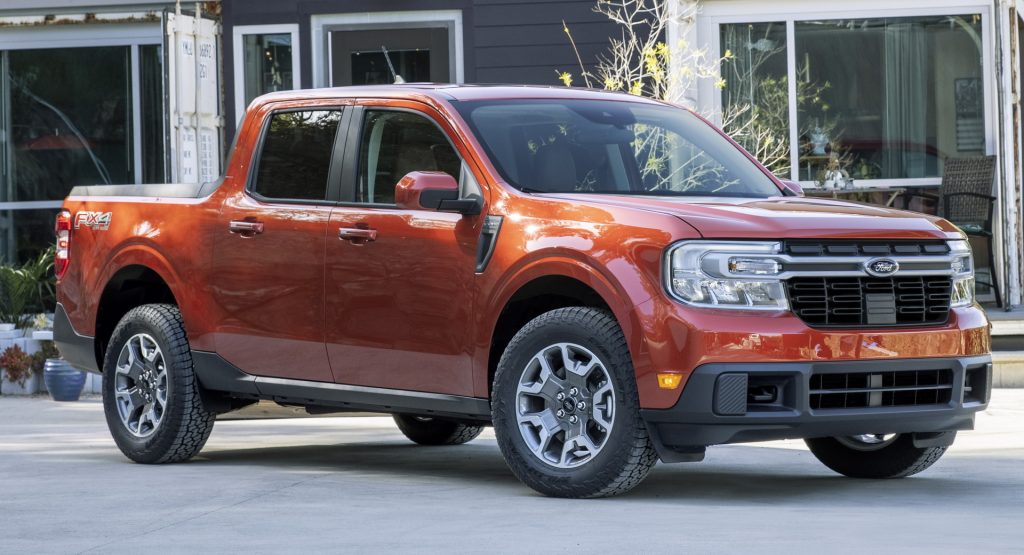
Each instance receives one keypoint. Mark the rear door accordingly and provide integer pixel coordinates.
(399, 303)
(268, 265)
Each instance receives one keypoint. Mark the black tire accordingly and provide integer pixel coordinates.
(897, 459)
(185, 424)
(627, 455)
(436, 431)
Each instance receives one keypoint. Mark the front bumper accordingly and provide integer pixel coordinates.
(720, 402)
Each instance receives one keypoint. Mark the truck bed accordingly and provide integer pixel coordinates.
(164, 190)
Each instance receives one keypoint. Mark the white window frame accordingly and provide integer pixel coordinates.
(132, 35)
(238, 58)
(716, 13)
(321, 25)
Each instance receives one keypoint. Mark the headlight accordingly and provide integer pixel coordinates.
(963, 274)
(726, 275)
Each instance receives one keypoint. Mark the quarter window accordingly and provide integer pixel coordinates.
(394, 144)
(296, 156)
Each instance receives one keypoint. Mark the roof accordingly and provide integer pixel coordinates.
(450, 92)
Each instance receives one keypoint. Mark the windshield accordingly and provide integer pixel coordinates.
(604, 146)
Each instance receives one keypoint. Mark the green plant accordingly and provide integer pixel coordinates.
(26, 289)
(47, 350)
(16, 364)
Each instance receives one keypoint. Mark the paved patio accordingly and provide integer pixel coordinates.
(354, 484)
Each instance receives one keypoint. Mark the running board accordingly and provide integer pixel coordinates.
(217, 374)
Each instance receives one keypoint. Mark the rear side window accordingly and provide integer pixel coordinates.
(296, 156)
(394, 144)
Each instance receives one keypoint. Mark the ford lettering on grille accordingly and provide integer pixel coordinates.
(881, 267)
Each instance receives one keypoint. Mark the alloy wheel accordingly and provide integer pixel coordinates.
(140, 385)
(565, 405)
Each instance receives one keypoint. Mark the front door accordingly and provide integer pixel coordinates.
(268, 273)
(400, 282)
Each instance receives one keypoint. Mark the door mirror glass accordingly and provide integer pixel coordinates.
(430, 190)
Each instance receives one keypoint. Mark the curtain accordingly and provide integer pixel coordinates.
(905, 126)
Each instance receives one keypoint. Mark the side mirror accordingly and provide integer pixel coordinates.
(794, 187)
(432, 191)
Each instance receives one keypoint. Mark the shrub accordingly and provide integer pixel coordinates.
(16, 364)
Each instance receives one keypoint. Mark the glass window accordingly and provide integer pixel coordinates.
(267, 61)
(296, 156)
(889, 98)
(755, 99)
(371, 67)
(394, 144)
(579, 146)
(152, 112)
(70, 120)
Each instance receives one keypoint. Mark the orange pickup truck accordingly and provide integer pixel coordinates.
(606, 280)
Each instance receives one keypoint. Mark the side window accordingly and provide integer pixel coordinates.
(394, 144)
(296, 156)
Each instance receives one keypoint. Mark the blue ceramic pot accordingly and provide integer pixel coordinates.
(63, 381)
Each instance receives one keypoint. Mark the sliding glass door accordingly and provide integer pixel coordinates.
(73, 116)
(883, 99)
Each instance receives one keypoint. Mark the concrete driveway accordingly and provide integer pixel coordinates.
(356, 485)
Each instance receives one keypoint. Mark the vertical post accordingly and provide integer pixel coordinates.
(136, 81)
(791, 72)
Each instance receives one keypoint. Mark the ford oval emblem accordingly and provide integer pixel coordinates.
(881, 267)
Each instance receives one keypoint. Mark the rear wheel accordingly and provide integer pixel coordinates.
(565, 407)
(874, 455)
(150, 391)
(435, 431)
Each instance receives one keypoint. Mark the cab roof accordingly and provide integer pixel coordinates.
(451, 92)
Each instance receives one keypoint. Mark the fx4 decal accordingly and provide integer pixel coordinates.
(98, 221)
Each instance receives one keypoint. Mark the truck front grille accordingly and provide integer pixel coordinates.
(870, 301)
(881, 389)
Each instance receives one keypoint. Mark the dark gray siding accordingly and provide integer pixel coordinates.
(504, 41)
(522, 41)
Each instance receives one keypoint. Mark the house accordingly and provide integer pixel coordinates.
(891, 87)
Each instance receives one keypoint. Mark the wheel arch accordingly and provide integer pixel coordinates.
(548, 286)
(130, 286)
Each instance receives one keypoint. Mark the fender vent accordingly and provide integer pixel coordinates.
(881, 389)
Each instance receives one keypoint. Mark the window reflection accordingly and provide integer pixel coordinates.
(892, 98)
(268, 64)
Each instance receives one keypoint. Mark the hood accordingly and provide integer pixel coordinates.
(783, 217)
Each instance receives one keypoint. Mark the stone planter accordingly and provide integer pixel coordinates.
(8, 338)
(94, 383)
(30, 387)
(63, 381)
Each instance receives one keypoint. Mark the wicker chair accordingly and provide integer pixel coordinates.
(965, 198)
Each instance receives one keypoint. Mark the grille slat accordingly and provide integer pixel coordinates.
(847, 390)
(845, 301)
(900, 300)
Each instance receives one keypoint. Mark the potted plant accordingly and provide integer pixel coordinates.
(25, 289)
(63, 381)
(18, 378)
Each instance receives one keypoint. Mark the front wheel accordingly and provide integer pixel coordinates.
(565, 407)
(150, 392)
(874, 456)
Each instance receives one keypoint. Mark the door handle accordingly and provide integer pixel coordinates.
(245, 228)
(356, 234)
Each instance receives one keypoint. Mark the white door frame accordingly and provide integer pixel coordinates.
(322, 25)
(238, 58)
